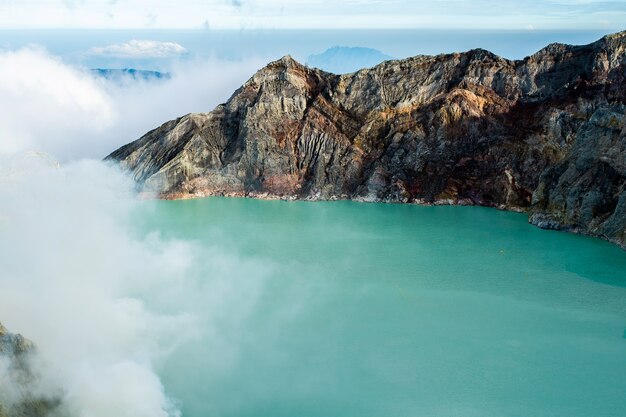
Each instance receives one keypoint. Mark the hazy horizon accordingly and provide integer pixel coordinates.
(76, 45)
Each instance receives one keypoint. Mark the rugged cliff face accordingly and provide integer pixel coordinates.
(17, 396)
(545, 135)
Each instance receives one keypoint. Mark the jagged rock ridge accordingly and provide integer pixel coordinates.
(17, 398)
(545, 135)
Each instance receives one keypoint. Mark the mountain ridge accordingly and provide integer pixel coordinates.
(544, 135)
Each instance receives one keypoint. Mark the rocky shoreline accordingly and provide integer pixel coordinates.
(545, 135)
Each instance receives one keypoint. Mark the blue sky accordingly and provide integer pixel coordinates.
(608, 15)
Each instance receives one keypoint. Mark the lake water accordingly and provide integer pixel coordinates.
(349, 309)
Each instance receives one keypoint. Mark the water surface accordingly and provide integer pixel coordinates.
(348, 309)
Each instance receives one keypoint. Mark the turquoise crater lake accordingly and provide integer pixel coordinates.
(348, 309)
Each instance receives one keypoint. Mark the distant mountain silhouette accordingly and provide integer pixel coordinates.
(343, 59)
(130, 74)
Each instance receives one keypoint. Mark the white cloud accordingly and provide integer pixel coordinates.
(140, 49)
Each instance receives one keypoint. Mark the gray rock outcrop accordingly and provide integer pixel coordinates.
(17, 398)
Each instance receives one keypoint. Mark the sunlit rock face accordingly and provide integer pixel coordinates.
(544, 134)
(18, 391)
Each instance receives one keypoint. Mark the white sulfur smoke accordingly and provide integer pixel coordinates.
(69, 113)
(105, 302)
(195, 86)
(70, 268)
(45, 104)
(101, 299)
